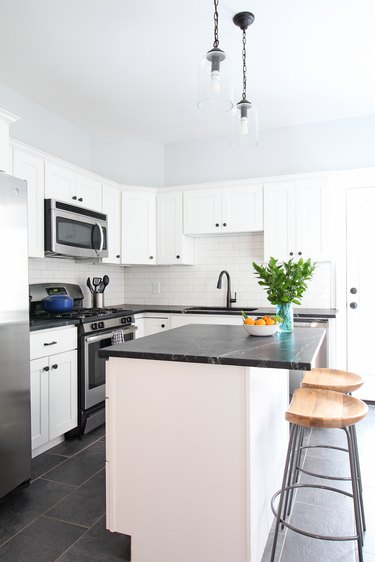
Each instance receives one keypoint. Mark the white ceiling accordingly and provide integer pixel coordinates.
(130, 67)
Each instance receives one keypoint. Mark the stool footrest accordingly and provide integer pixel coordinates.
(284, 523)
(324, 476)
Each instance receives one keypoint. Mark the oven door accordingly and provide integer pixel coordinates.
(94, 366)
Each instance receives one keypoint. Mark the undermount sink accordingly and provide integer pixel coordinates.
(218, 309)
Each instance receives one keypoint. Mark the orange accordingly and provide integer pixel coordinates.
(249, 320)
(270, 322)
(260, 322)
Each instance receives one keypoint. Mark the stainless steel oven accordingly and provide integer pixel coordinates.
(94, 366)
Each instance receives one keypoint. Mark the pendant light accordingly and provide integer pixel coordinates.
(246, 122)
(214, 88)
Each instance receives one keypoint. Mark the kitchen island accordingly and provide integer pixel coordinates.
(196, 439)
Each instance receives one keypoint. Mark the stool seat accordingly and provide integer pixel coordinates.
(312, 407)
(332, 379)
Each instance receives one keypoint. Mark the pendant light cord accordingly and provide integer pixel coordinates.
(216, 25)
(244, 68)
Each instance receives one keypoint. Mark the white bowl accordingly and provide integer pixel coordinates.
(255, 330)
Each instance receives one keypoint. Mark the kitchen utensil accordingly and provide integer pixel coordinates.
(105, 282)
(98, 300)
(96, 282)
(88, 283)
(57, 303)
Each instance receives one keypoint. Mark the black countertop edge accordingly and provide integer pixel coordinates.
(177, 309)
(36, 325)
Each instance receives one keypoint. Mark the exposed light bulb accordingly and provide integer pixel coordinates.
(244, 126)
(215, 82)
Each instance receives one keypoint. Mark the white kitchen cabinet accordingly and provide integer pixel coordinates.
(64, 184)
(173, 247)
(223, 210)
(53, 383)
(111, 199)
(30, 167)
(296, 219)
(138, 241)
(177, 320)
(155, 324)
(140, 324)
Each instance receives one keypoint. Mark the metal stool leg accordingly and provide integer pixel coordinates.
(355, 489)
(296, 467)
(292, 438)
(359, 477)
(295, 448)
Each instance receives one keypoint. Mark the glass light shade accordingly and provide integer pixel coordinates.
(214, 84)
(245, 134)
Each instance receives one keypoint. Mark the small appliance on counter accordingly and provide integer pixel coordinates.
(96, 328)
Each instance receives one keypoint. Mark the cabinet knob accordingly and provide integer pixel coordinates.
(151, 257)
(178, 257)
(55, 366)
(163, 325)
(224, 224)
(291, 253)
(118, 256)
(353, 305)
(217, 224)
(46, 368)
(300, 253)
(74, 197)
(80, 199)
(353, 291)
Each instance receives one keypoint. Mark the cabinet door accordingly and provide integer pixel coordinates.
(88, 192)
(138, 241)
(63, 402)
(155, 325)
(173, 247)
(202, 211)
(30, 167)
(311, 205)
(279, 221)
(39, 401)
(242, 209)
(112, 208)
(60, 183)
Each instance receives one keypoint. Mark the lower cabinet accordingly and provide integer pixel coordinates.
(178, 320)
(53, 385)
(148, 323)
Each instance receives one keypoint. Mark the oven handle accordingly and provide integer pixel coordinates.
(104, 336)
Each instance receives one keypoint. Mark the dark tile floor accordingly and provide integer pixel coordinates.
(61, 515)
(326, 512)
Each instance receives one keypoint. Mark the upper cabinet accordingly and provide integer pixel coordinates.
(223, 210)
(111, 198)
(30, 167)
(138, 241)
(65, 184)
(173, 247)
(295, 219)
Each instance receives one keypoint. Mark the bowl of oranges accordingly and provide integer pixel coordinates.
(262, 325)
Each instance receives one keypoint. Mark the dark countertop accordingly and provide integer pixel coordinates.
(224, 345)
(51, 323)
(178, 309)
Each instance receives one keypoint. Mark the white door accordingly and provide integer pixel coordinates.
(310, 210)
(360, 286)
(202, 211)
(138, 241)
(30, 167)
(62, 393)
(279, 221)
(112, 208)
(89, 192)
(60, 183)
(39, 374)
(242, 209)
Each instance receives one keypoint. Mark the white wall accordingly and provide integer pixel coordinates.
(196, 285)
(128, 161)
(54, 270)
(332, 145)
(45, 130)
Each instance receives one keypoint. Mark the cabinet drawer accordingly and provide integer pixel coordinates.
(57, 340)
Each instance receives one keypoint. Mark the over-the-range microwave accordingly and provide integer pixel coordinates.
(75, 232)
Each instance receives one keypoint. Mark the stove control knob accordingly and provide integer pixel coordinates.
(123, 320)
(94, 326)
(129, 319)
(100, 324)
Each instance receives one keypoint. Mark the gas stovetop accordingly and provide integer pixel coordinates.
(82, 314)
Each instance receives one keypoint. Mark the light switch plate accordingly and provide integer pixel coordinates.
(156, 288)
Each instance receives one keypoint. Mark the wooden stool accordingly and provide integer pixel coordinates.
(332, 379)
(323, 409)
(339, 381)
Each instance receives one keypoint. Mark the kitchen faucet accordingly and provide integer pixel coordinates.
(229, 296)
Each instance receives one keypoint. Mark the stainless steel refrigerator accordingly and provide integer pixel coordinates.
(15, 424)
